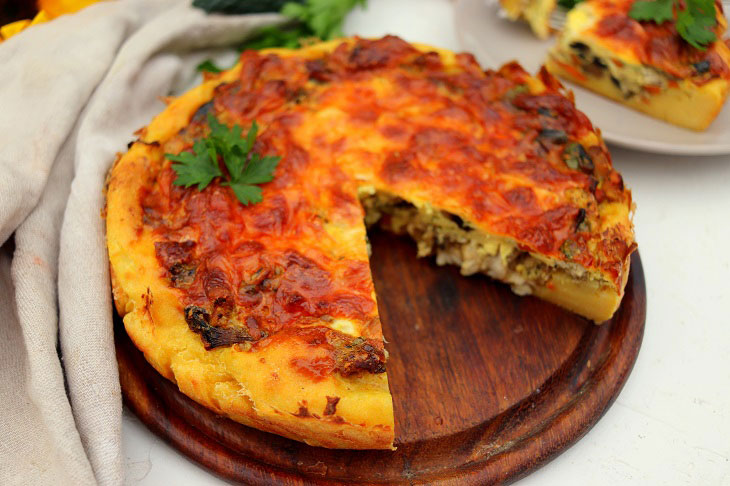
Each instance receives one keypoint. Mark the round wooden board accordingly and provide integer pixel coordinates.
(487, 386)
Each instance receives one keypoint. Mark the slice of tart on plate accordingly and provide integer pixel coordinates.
(647, 66)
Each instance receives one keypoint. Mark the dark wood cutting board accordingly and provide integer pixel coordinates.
(487, 386)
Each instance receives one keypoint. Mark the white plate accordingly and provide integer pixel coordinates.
(495, 40)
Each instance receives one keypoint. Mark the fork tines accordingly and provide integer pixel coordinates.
(558, 18)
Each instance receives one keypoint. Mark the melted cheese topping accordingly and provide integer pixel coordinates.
(489, 147)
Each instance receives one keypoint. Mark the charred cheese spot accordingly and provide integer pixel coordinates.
(212, 336)
(331, 350)
(331, 407)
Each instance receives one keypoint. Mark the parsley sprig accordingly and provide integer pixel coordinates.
(320, 19)
(323, 17)
(313, 19)
(244, 168)
(695, 19)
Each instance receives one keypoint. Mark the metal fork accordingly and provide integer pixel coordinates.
(559, 15)
(557, 18)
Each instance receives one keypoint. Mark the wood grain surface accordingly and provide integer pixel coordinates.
(487, 386)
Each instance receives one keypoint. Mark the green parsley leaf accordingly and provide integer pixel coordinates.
(229, 144)
(260, 170)
(247, 193)
(658, 11)
(315, 18)
(244, 167)
(695, 19)
(568, 4)
(695, 23)
(208, 66)
(195, 168)
(270, 36)
(323, 17)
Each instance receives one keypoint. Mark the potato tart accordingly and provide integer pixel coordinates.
(266, 313)
(645, 66)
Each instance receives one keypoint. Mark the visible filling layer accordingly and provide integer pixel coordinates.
(454, 241)
(630, 79)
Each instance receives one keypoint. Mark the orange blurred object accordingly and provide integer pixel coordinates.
(13, 28)
(47, 10)
(55, 8)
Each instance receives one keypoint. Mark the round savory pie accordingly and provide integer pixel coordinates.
(266, 312)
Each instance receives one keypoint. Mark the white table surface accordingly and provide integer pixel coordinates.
(671, 423)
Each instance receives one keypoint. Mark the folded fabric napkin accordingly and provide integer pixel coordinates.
(72, 92)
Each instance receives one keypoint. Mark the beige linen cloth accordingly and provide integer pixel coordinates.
(72, 92)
